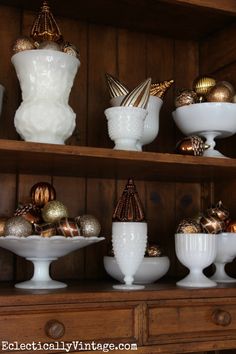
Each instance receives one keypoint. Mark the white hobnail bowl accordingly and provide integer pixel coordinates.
(196, 252)
(125, 126)
(150, 270)
(151, 123)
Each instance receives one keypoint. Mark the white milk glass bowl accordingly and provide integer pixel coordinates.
(196, 252)
(226, 252)
(209, 120)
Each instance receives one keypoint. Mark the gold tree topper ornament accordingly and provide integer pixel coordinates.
(129, 207)
(159, 89)
(115, 87)
(139, 96)
(45, 27)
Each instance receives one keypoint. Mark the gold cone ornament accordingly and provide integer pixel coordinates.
(139, 96)
(159, 89)
(129, 207)
(115, 87)
(45, 27)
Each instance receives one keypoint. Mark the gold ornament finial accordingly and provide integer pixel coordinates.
(159, 89)
(115, 87)
(45, 27)
(139, 96)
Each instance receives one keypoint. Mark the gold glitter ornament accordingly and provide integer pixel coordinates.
(18, 226)
(154, 251)
(192, 145)
(219, 93)
(45, 27)
(202, 85)
(115, 87)
(41, 193)
(185, 97)
(54, 211)
(23, 43)
(212, 224)
(188, 226)
(159, 89)
(3, 221)
(139, 96)
(88, 225)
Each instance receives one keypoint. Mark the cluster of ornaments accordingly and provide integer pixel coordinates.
(46, 216)
(215, 220)
(45, 34)
(206, 89)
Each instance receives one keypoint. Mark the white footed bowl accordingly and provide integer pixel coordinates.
(209, 120)
(150, 270)
(196, 252)
(125, 126)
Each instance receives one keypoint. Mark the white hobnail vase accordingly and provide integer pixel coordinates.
(129, 241)
(125, 126)
(46, 78)
(151, 123)
(196, 252)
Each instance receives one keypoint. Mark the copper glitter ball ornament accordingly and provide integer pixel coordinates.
(54, 211)
(188, 226)
(231, 227)
(29, 212)
(192, 145)
(185, 97)
(68, 227)
(219, 93)
(23, 43)
(3, 221)
(18, 226)
(88, 225)
(202, 85)
(41, 193)
(212, 224)
(219, 211)
(45, 230)
(154, 251)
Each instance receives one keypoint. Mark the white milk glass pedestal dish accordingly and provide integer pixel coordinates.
(209, 120)
(196, 252)
(46, 78)
(226, 252)
(41, 252)
(151, 123)
(129, 241)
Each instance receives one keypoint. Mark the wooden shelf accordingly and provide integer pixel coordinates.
(177, 18)
(62, 160)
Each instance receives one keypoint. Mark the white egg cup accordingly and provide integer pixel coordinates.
(226, 252)
(196, 252)
(125, 126)
(46, 78)
(209, 120)
(42, 251)
(129, 241)
(151, 123)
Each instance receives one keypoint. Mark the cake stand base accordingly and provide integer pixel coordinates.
(37, 284)
(128, 287)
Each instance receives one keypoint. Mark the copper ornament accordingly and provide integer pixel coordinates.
(192, 145)
(227, 84)
(154, 251)
(18, 226)
(45, 230)
(68, 227)
(29, 212)
(54, 211)
(231, 227)
(139, 96)
(23, 43)
(219, 93)
(45, 27)
(159, 89)
(41, 193)
(3, 221)
(185, 97)
(70, 49)
(212, 224)
(188, 226)
(219, 211)
(202, 85)
(88, 225)
(115, 87)
(129, 206)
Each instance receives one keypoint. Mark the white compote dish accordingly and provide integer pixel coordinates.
(209, 120)
(41, 251)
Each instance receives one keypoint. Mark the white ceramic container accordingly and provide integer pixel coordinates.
(46, 78)
(196, 252)
(129, 241)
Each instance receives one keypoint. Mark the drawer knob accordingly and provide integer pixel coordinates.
(221, 317)
(54, 329)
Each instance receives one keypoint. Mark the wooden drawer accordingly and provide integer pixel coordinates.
(190, 320)
(101, 322)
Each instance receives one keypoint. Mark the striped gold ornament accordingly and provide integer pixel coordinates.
(159, 89)
(202, 85)
(115, 87)
(139, 96)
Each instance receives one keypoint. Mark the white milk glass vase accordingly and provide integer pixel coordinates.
(46, 78)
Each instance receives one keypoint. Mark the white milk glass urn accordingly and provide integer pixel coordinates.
(46, 77)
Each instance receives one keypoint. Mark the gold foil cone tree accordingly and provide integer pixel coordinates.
(115, 87)
(129, 207)
(159, 89)
(45, 27)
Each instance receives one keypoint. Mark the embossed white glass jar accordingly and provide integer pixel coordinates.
(46, 78)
